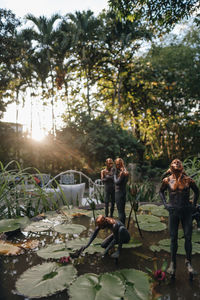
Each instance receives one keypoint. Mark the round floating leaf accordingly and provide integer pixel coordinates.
(165, 245)
(38, 226)
(94, 287)
(150, 223)
(95, 246)
(23, 221)
(158, 226)
(156, 210)
(164, 242)
(8, 225)
(147, 207)
(159, 211)
(138, 283)
(196, 236)
(54, 218)
(53, 251)
(107, 282)
(195, 248)
(45, 279)
(155, 248)
(132, 244)
(7, 248)
(76, 243)
(148, 219)
(70, 228)
(180, 233)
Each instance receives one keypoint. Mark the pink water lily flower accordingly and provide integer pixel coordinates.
(64, 260)
(159, 275)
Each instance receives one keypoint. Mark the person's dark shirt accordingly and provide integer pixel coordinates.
(179, 193)
(120, 182)
(108, 181)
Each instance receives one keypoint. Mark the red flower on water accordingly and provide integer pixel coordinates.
(64, 260)
(159, 275)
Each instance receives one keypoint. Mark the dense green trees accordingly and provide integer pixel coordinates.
(161, 14)
(96, 139)
(118, 102)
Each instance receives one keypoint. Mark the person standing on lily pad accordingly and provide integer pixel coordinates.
(180, 209)
(107, 177)
(120, 235)
(120, 180)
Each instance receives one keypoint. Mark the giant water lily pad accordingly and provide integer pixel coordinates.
(53, 251)
(196, 236)
(94, 247)
(147, 207)
(55, 218)
(157, 226)
(137, 284)
(94, 287)
(148, 218)
(8, 225)
(127, 284)
(45, 279)
(70, 228)
(156, 210)
(39, 226)
(150, 223)
(160, 211)
(165, 245)
(132, 244)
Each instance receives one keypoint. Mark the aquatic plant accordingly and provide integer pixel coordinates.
(45, 280)
(150, 223)
(128, 284)
(53, 251)
(20, 195)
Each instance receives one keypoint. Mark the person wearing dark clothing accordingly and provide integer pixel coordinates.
(120, 235)
(120, 180)
(180, 209)
(107, 177)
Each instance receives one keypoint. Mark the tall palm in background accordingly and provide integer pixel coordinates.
(87, 37)
(44, 34)
(64, 61)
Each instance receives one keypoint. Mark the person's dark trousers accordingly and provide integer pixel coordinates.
(109, 195)
(183, 215)
(120, 199)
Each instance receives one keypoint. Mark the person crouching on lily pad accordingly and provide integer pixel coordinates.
(120, 235)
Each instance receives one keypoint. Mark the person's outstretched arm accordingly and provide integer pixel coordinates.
(93, 236)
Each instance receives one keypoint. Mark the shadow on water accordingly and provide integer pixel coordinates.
(139, 258)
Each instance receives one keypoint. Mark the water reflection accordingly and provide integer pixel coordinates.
(180, 289)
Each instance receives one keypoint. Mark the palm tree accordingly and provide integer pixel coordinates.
(121, 40)
(86, 34)
(44, 35)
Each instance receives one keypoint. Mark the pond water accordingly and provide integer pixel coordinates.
(11, 267)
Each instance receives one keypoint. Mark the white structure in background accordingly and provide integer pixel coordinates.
(73, 191)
